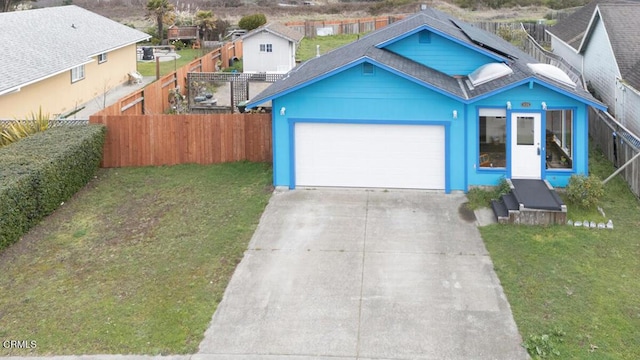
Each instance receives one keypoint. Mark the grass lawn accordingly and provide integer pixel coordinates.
(578, 286)
(136, 262)
(166, 67)
(307, 48)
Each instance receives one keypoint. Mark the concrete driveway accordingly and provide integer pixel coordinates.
(360, 274)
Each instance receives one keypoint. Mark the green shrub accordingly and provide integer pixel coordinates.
(40, 172)
(585, 191)
(250, 22)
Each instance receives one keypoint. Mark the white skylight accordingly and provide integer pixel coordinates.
(488, 72)
(553, 73)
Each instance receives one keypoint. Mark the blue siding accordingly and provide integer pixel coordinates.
(383, 97)
(441, 54)
(535, 96)
(351, 96)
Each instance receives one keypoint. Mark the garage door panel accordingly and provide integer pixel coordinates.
(365, 155)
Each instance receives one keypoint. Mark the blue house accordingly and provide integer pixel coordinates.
(428, 102)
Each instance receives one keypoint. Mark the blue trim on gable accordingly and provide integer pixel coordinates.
(349, 66)
(446, 36)
(544, 84)
(445, 124)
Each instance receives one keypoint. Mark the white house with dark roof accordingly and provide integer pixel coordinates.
(602, 40)
(270, 49)
(428, 102)
(58, 58)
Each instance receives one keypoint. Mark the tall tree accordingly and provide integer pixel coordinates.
(206, 22)
(160, 9)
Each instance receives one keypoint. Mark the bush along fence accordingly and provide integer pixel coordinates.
(40, 172)
(153, 140)
(156, 98)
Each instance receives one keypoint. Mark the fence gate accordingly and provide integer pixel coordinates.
(201, 85)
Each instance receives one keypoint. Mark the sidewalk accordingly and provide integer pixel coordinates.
(112, 96)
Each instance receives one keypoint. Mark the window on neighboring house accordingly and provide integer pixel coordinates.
(492, 144)
(266, 48)
(559, 139)
(77, 73)
(102, 58)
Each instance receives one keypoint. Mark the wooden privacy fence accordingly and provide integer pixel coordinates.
(154, 140)
(348, 26)
(618, 148)
(154, 98)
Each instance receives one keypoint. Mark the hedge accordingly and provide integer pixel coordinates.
(41, 171)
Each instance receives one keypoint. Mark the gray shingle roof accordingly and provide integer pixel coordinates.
(622, 22)
(43, 42)
(278, 29)
(572, 28)
(368, 48)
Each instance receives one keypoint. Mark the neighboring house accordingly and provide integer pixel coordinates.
(59, 58)
(270, 49)
(603, 42)
(428, 102)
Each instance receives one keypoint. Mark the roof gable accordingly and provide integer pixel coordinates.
(621, 21)
(55, 40)
(372, 48)
(279, 30)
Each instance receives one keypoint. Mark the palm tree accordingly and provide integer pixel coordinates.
(206, 22)
(159, 9)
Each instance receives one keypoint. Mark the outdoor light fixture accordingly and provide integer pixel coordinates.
(544, 105)
(283, 110)
(509, 105)
(455, 114)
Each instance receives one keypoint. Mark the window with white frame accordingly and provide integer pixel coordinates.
(492, 141)
(559, 139)
(102, 58)
(266, 48)
(77, 73)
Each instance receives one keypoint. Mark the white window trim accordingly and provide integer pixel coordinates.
(102, 58)
(77, 73)
(266, 48)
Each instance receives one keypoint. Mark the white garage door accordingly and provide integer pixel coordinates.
(363, 155)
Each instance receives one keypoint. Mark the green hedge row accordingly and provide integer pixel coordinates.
(40, 172)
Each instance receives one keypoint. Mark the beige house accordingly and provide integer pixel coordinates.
(59, 58)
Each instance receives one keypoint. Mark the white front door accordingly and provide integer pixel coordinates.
(525, 146)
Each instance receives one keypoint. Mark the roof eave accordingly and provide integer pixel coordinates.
(33, 81)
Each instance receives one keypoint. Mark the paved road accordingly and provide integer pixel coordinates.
(356, 274)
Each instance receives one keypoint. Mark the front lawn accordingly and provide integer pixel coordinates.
(135, 263)
(579, 286)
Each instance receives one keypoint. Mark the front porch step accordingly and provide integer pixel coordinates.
(530, 202)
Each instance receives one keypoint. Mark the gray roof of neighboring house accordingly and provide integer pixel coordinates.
(622, 21)
(44, 42)
(572, 28)
(279, 30)
(367, 48)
